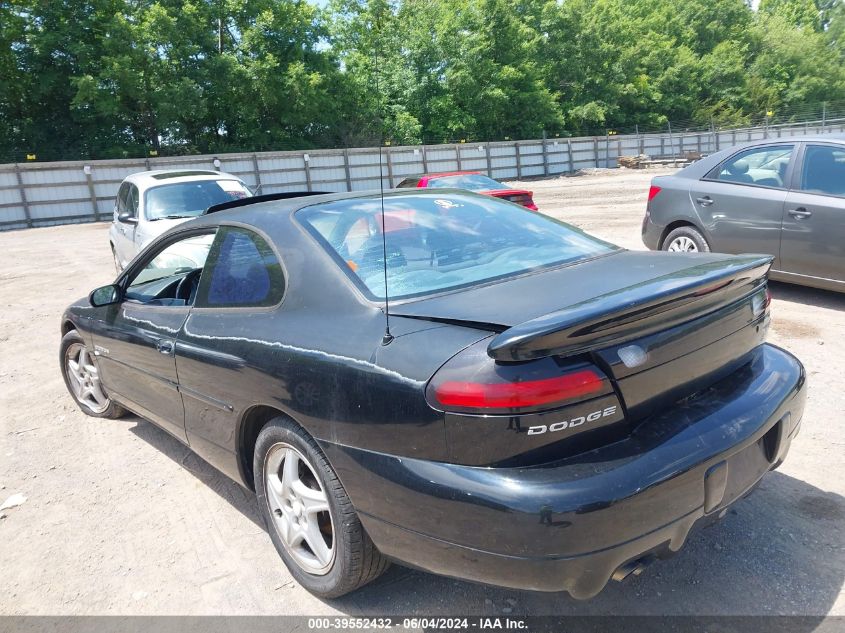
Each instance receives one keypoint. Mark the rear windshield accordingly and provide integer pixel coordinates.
(472, 182)
(189, 199)
(437, 242)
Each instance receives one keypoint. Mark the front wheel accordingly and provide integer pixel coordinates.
(686, 239)
(82, 378)
(308, 514)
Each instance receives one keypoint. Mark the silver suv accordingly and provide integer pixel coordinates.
(150, 202)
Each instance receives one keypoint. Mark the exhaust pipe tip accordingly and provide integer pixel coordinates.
(632, 568)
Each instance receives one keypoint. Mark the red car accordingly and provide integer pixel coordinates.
(472, 181)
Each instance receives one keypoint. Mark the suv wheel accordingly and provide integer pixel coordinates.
(686, 239)
(309, 516)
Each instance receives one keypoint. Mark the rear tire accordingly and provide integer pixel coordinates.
(685, 239)
(303, 503)
(82, 379)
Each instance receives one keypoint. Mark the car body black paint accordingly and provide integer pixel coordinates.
(474, 497)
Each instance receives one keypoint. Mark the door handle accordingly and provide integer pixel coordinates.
(800, 213)
(165, 346)
(706, 201)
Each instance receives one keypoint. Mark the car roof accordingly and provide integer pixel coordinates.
(441, 174)
(152, 178)
(452, 173)
(806, 138)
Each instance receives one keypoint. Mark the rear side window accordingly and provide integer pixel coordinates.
(242, 271)
(759, 166)
(437, 242)
(408, 183)
(824, 170)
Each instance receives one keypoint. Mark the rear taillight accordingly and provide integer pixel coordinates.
(760, 302)
(522, 198)
(472, 382)
(519, 395)
(652, 192)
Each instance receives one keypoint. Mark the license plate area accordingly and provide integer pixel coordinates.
(726, 481)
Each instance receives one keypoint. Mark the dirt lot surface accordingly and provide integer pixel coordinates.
(120, 518)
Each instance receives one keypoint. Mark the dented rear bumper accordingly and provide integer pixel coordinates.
(570, 525)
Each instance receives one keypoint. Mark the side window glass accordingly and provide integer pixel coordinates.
(824, 170)
(172, 276)
(243, 271)
(132, 202)
(760, 166)
(121, 197)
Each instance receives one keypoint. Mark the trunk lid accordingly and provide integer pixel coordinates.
(519, 196)
(660, 325)
(506, 303)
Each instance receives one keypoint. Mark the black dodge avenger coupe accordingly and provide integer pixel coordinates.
(446, 380)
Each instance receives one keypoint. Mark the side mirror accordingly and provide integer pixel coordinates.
(105, 296)
(127, 218)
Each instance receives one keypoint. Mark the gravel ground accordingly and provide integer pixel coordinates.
(120, 518)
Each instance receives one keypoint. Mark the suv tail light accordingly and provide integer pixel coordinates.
(472, 382)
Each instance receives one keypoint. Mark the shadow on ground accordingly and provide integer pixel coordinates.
(778, 551)
(808, 296)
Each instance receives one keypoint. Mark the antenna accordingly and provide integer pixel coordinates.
(388, 337)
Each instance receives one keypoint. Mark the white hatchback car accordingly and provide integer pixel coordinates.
(150, 202)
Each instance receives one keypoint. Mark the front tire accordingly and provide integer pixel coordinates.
(82, 378)
(308, 514)
(686, 239)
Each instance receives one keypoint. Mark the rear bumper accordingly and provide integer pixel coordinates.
(568, 526)
(651, 233)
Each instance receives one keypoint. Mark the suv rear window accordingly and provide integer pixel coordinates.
(441, 242)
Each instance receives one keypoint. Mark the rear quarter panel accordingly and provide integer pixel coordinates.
(672, 204)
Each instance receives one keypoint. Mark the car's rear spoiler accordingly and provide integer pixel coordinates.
(267, 197)
(634, 311)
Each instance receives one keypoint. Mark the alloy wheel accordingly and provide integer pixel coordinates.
(84, 379)
(300, 509)
(682, 244)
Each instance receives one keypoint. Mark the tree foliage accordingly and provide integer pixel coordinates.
(111, 78)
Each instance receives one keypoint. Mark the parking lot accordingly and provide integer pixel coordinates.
(120, 518)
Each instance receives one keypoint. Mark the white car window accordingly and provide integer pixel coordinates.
(189, 199)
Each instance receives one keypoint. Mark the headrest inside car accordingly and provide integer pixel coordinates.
(738, 168)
